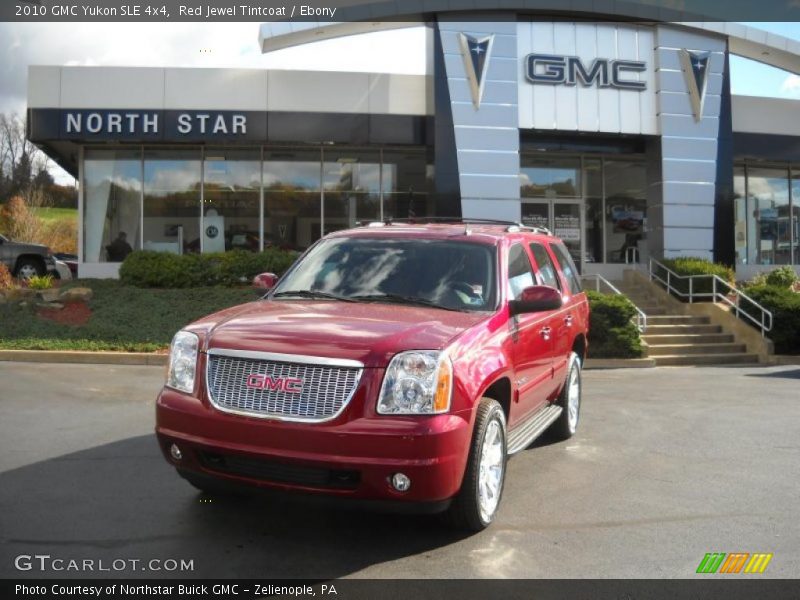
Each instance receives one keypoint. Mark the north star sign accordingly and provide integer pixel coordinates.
(143, 122)
(570, 70)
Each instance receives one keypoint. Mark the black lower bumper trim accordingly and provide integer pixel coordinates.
(210, 482)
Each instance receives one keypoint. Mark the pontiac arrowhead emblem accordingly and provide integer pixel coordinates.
(695, 70)
(476, 53)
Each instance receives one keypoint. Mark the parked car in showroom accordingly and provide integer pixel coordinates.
(26, 260)
(397, 364)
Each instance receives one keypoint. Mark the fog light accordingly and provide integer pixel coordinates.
(175, 452)
(401, 482)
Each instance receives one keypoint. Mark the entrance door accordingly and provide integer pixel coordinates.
(565, 218)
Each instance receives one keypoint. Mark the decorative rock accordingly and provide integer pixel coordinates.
(20, 294)
(50, 295)
(50, 305)
(76, 294)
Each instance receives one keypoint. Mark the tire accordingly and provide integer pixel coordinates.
(569, 400)
(468, 511)
(28, 267)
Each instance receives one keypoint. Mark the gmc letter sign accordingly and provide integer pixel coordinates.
(569, 70)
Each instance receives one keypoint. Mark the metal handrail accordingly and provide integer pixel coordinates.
(763, 321)
(641, 318)
(632, 255)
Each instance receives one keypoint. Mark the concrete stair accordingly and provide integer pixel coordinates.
(674, 338)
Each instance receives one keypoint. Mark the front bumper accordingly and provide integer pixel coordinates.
(353, 456)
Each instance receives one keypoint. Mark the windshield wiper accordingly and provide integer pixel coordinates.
(314, 294)
(400, 299)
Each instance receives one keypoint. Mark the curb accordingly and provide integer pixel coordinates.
(783, 359)
(87, 358)
(619, 363)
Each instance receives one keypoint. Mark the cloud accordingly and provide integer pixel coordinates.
(228, 45)
(222, 45)
(791, 85)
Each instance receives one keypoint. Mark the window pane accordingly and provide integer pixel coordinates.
(172, 200)
(112, 204)
(796, 215)
(407, 184)
(626, 208)
(545, 266)
(232, 179)
(564, 260)
(740, 215)
(550, 177)
(593, 193)
(520, 274)
(291, 197)
(768, 205)
(352, 188)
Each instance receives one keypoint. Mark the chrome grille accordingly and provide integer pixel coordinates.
(325, 391)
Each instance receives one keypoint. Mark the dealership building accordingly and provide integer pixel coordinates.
(621, 137)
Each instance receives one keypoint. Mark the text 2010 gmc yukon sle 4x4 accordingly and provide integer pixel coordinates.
(400, 363)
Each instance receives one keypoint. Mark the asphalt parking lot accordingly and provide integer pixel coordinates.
(668, 464)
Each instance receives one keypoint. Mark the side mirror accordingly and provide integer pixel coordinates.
(264, 282)
(537, 298)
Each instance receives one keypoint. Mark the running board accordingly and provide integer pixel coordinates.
(523, 434)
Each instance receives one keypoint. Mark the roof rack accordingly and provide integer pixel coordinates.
(511, 226)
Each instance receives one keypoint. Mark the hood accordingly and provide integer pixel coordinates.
(368, 332)
(20, 247)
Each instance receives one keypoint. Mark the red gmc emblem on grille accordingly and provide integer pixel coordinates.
(290, 385)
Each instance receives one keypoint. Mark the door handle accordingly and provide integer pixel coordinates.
(545, 332)
(568, 320)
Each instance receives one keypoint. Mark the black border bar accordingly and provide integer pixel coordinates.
(212, 11)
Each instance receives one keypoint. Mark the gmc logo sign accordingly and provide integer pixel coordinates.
(290, 385)
(569, 70)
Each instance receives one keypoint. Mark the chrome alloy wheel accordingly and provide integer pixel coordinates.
(490, 477)
(573, 397)
(27, 271)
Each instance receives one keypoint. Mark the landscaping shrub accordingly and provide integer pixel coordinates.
(6, 282)
(697, 266)
(146, 268)
(611, 332)
(784, 304)
(37, 282)
(122, 318)
(782, 277)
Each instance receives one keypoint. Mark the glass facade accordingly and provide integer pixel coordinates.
(112, 204)
(767, 212)
(625, 209)
(597, 205)
(172, 192)
(550, 177)
(185, 199)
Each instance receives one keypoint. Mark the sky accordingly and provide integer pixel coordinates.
(236, 45)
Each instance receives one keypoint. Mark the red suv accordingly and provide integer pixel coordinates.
(396, 364)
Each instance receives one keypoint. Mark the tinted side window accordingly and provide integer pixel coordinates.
(564, 261)
(547, 270)
(520, 273)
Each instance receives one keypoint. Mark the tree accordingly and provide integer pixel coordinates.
(43, 179)
(23, 167)
(21, 174)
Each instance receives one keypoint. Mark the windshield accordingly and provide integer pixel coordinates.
(443, 274)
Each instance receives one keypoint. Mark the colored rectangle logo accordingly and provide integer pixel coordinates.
(734, 563)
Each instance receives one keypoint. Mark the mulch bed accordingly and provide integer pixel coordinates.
(73, 313)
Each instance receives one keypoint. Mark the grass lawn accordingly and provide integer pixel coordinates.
(123, 318)
(56, 214)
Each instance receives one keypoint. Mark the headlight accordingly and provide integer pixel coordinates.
(183, 361)
(417, 383)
